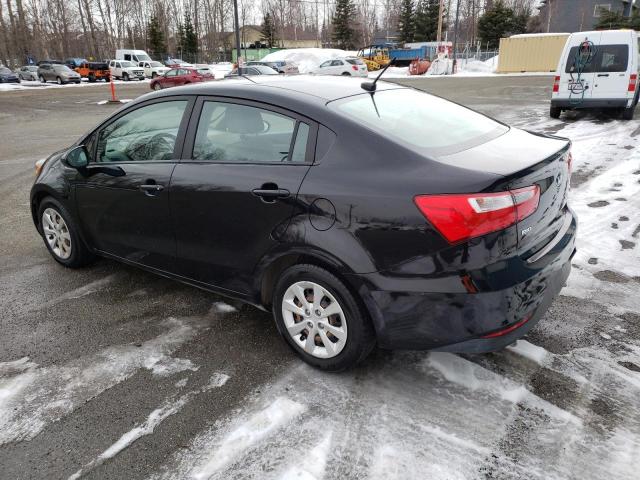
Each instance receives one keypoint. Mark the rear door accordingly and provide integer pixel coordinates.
(235, 190)
(612, 65)
(577, 79)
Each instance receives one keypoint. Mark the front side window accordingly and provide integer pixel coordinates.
(242, 134)
(146, 134)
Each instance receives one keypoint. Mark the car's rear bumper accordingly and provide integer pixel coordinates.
(461, 319)
(577, 103)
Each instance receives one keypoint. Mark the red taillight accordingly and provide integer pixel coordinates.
(633, 79)
(354, 67)
(556, 84)
(569, 162)
(461, 217)
(509, 329)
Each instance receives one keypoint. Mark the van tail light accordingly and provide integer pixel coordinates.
(354, 67)
(569, 162)
(466, 216)
(556, 84)
(633, 79)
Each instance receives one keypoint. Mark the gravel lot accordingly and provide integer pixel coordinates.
(111, 372)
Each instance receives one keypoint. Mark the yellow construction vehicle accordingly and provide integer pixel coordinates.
(374, 56)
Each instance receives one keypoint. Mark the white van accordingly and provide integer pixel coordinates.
(597, 70)
(135, 56)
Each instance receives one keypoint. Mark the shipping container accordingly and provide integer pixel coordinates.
(533, 52)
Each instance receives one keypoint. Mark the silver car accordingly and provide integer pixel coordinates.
(28, 72)
(57, 73)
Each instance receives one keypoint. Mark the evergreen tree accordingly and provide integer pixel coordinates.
(190, 40)
(342, 30)
(268, 30)
(427, 13)
(406, 21)
(497, 22)
(610, 20)
(155, 38)
(180, 40)
(634, 21)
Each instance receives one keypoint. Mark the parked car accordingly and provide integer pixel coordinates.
(28, 72)
(133, 56)
(254, 70)
(57, 73)
(598, 70)
(94, 71)
(152, 69)
(397, 218)
(125, 70)
(7, 76)
(176, 63)
(74, 63)
(280, 66)
(349, 67)
(181, 76)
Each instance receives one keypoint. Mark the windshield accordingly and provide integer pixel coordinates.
(355, 61)
(62, 68)
(143, 58)
(607, 58)
(126, 64)
(265, 70)
(204, 71)
(4, 70)
(156, 64)
(420, 121)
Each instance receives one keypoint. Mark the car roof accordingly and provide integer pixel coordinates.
(321, 88)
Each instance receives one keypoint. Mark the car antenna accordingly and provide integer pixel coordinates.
(371, 86)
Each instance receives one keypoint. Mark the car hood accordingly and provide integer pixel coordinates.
(8, 75)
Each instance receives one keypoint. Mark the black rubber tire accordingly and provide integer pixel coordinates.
(345, 74)
(361, 338)
(153, 75)
(92, 78)
(59, 80)
(42, 79)
(157, 86)
(80, 253)
(554, 112)
(627, 113)
(125, 76)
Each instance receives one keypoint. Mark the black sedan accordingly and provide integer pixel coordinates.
(358, 217)
(7, 76)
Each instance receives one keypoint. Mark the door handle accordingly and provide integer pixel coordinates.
(270, 195)
(603, 74)
(150, 188)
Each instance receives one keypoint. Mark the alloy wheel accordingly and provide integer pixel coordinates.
(314, 319)
(56, 233)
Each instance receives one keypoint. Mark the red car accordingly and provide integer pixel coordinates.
(181, 76)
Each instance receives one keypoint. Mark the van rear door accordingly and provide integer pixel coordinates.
(612, 64)
(575, 83)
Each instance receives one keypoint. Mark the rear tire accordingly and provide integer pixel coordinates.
(346, 74)
(554, 112)
(355, 336)
(627, 113)
(74, 253)
(92, 78)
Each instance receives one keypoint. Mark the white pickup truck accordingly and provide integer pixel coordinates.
(125, 70)
(153, 69)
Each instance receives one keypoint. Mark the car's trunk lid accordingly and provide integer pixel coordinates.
(524, 159)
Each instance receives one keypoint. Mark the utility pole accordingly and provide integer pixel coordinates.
(440, 14)
(237, 25)
(455, 37)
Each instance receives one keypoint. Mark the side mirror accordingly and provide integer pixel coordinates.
(77, 157)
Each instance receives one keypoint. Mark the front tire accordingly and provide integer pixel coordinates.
(61, 235)
(157, 86)
(59, 80)
(42, 79)
(125, 77)
(554, 112)
(320, 318)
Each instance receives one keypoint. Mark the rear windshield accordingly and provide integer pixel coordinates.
(607, 58)
(204, 71)
(355, 61)
(420, 121)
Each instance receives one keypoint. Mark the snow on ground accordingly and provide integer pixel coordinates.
(155, 418)
(35, 396)
(29, 84)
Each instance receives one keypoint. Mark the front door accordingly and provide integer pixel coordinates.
(123, 195)
(235, 193)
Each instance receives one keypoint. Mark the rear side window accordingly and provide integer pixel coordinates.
(233, 133)
(607, 58)
(420, 121)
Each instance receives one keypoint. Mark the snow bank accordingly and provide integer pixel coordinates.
(306, 58)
